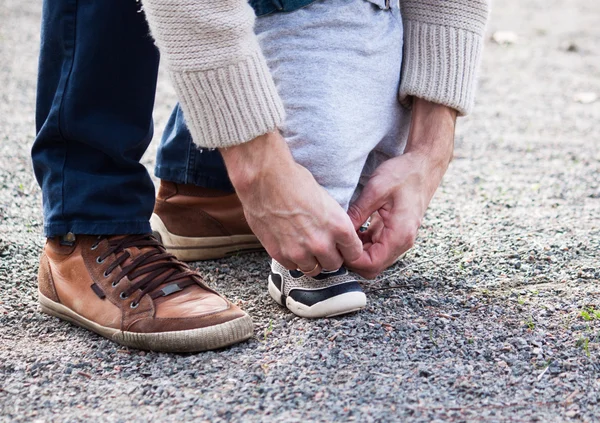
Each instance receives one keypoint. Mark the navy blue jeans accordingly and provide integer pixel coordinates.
(96, 86)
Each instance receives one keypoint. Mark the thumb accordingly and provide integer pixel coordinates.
(367, 203)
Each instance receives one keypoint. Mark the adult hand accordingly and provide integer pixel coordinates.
(296, 220)
(399, 191)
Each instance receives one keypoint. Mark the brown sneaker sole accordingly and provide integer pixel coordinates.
(203, 248)
(195, 340)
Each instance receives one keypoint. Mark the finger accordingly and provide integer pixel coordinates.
(276, 253)
(350, 252)
(367, 203)
(289, 265)
(392, 243)
(348, 243)
(362, 266)
(379, 249)
(312, 269)
(333, 260)
(371, 261)
(376, 220)
(372, 234)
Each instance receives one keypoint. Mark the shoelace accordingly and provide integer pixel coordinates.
(160, 268)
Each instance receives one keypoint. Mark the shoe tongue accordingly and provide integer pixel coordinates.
(171, 287)
(135, 252)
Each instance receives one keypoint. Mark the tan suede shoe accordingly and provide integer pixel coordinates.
(197, 223)
(130, 290)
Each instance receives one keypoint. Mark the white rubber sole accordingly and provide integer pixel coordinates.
(338, 305)
(203, 248)
(194, 340)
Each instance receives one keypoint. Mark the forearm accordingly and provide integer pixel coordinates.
(217, 68)
(255, 160)
(431, 135)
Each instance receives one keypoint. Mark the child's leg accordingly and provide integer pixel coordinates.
(337, 67)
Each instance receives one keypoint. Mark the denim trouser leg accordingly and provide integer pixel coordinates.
(96, 86)
(180, 160)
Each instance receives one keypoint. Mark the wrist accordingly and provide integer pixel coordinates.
(254, 160)
(431, 166)
(431, 133)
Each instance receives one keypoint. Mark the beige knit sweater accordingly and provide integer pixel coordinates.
(227, 93)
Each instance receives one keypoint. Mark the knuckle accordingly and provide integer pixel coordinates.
(378, 190)
(354, 212)
(345, 231)
(277, 255)
(297, 258)
(411, 236)
(408, 237)
(291, 254)
(337, 264)
(408, 241)
(320, 248)
(338, 225)
(332, 263)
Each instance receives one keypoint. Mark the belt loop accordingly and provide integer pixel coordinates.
(278, 5)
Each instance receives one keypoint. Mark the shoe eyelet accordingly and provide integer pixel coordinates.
(106, 275)
(134, 304)
(123, 296)
(93, 247)
(99, 261)
(114, 284)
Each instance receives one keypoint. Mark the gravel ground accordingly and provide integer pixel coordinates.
(481, 321)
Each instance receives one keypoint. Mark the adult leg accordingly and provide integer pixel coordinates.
(94, 116)
(96, 86)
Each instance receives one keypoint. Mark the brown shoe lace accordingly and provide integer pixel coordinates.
(160, 268)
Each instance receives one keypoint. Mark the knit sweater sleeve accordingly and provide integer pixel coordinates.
(443, 42)
(217, 68)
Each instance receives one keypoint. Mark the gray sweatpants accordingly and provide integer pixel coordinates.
(336, 64)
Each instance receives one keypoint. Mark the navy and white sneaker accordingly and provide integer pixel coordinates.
(325, 295)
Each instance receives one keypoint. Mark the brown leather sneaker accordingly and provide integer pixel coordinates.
(130, 290)
(196, 223)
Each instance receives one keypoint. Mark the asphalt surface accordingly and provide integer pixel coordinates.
(489, 318)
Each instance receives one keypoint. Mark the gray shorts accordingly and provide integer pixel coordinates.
(337, 67)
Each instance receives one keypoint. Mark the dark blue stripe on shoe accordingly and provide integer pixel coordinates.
(276, 279)
(278, 282)
(312, 297)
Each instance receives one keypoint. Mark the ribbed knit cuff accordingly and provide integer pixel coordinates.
(440, 64)
(229, 105)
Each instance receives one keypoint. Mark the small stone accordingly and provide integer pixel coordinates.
(505, 37)
(586, 97)
(570, 46)
(425, 372)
